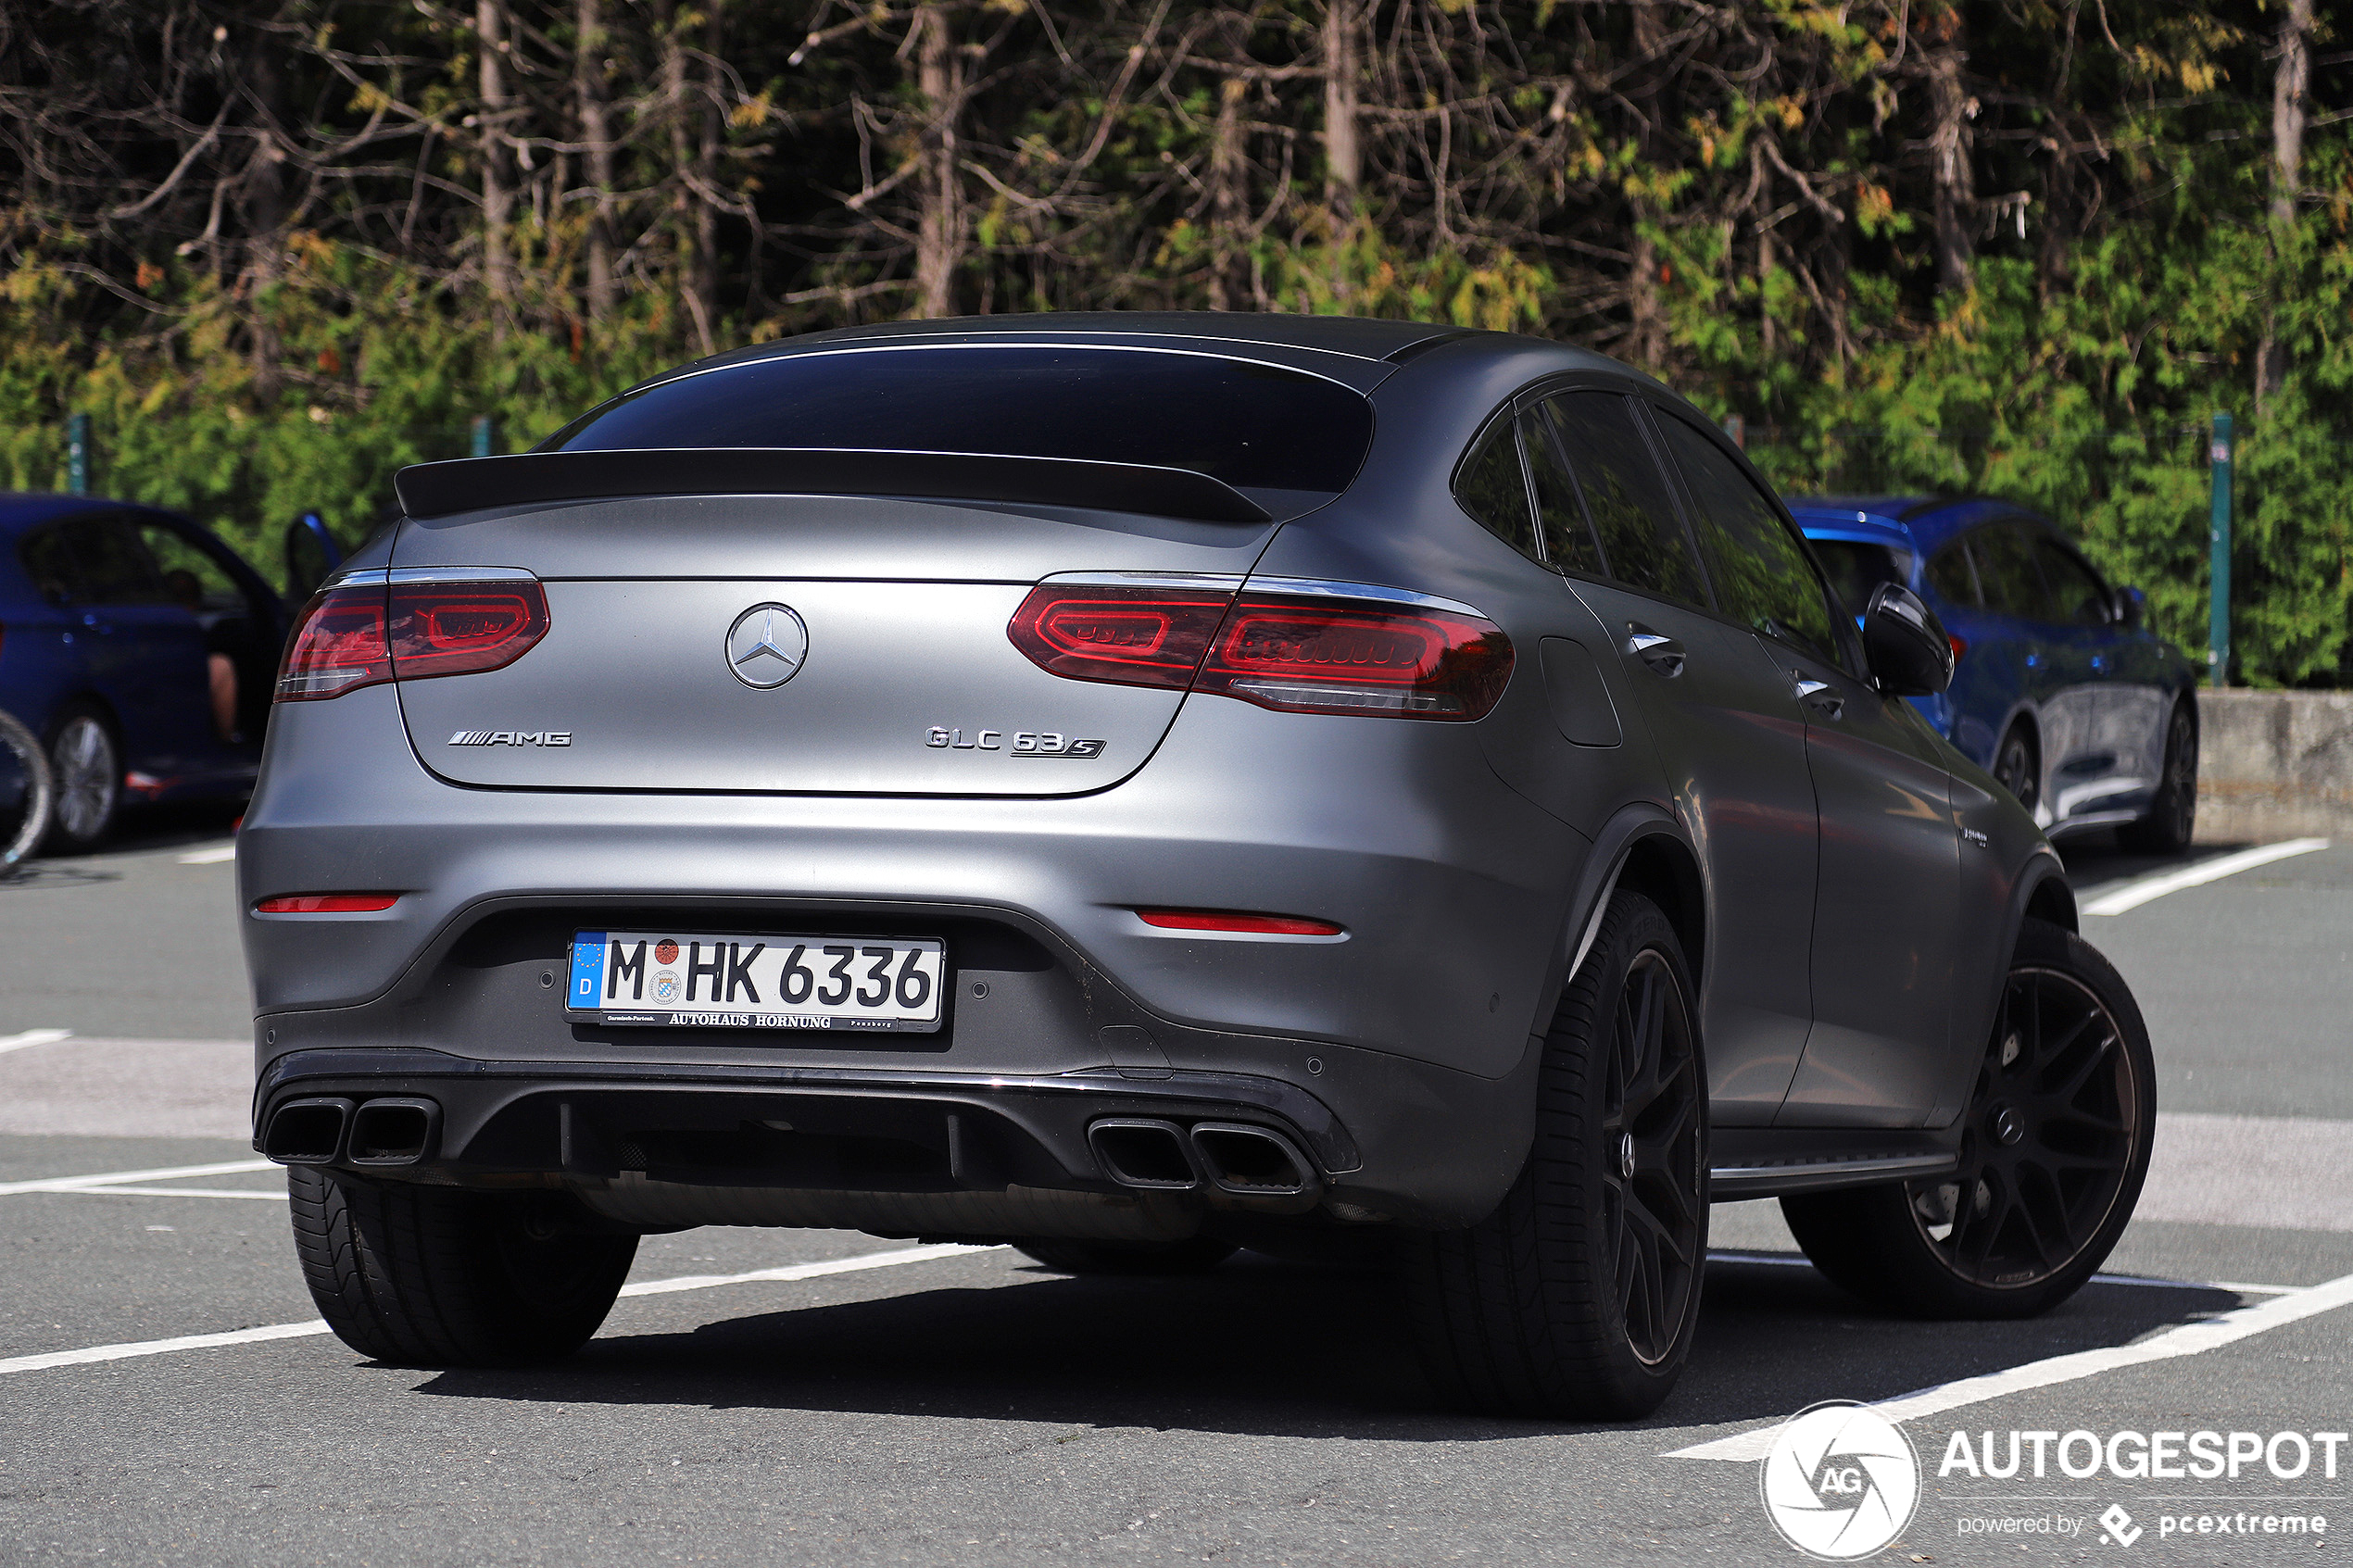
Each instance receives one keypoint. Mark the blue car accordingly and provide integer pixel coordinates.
(2059, 690)
(140, 648)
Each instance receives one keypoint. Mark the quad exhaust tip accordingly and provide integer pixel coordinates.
(1161, 1156)
(1250, 1161)
(329, 1130)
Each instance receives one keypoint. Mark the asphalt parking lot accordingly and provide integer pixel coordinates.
(798, 1397)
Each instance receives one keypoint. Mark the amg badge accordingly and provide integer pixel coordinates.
(511, 737)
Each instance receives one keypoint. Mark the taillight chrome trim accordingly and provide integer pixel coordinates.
(402, 576)
(1371, 593)
(1184, 582)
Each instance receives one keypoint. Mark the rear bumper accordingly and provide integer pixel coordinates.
(853, 1146)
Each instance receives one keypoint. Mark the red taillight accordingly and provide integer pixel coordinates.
(355, 636)
(1128, 637)
(338, 644)
(1231, 920)
(1300, 655)
(1959, 646)
(327, 904)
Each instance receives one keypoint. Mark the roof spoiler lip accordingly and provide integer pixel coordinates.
(466, 484)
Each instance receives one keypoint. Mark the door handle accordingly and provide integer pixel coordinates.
(1664, 655)
(1820, 696)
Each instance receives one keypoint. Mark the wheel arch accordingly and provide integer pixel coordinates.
(1642, 848)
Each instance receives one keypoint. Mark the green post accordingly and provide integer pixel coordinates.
(78, 455)
(2217, 634)
(482, 435)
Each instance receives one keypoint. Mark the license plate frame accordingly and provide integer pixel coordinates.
(621, 978)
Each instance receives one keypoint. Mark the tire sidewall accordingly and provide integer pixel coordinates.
(59, 835)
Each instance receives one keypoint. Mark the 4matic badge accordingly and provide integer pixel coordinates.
(1026, 743)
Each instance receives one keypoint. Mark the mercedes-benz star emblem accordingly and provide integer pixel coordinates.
(766, 646)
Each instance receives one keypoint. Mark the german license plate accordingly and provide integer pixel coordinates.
(697, 980)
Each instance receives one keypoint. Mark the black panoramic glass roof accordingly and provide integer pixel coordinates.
(1253, 426)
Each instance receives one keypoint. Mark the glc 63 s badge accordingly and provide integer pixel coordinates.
(1022, 742)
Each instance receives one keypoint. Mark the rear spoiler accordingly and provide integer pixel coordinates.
(474, 483)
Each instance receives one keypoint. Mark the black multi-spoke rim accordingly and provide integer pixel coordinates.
(2014, 770)
(2048, 1141)
(1652, 1156)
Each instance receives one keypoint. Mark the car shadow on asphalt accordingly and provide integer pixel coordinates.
(1273, 1349)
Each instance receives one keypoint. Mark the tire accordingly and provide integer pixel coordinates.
(1194, 1255)
(441, 1278)
(2172, 815)
(25, 819)
(2018, 767)
(85, 762)
(1578, 1297)
(2055, 1147)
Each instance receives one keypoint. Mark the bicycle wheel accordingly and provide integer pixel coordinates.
(27, 793)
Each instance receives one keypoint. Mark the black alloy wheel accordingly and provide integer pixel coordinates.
(2018, 770)
(1651, 1190)
(1578, 1297)
(2172, 814)
(2055, 1144)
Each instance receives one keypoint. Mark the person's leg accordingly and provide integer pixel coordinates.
(223, 672)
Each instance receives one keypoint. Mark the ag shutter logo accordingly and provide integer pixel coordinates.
(2117, 1526)
(1841, 1481)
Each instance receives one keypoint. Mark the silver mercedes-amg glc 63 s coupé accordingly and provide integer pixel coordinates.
(1138, 786)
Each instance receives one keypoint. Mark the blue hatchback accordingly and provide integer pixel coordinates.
(2059, 690)
(140, 648)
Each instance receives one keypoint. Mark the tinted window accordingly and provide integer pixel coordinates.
(48, 560)
(1950, 575)
(1762, 577)
(1494, 491)
(2006, 572)
(1641, 538)
(1857, 568)
(1250, 425)
(1569, 537)
(2077, 595)
(115, 567)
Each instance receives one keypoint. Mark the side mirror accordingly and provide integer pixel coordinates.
(1909, 653)
(2132, 607)
(311, 554)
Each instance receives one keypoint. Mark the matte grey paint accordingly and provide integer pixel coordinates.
(1463, 862)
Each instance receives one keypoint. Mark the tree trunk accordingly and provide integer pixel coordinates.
(596, 131)
(705, 277)
(1950, 108)
(940, 231)
(1647, 314)
(2290, 83)
(1226, 205)
(497, 168)
(1343, 156)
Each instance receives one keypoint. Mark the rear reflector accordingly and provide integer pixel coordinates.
(1298, 655)
(1229, 919)
(326, 904)
(356, 636)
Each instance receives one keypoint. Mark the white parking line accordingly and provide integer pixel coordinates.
(211, 856)
(650, 1287)
(2132, 894)
(2189, 1339)
(1784, 1261)
(32, 1038)
(266, 1197)
(104, 1179)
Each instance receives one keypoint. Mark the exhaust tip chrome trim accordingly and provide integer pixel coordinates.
(1140, 1152)
(1252, 1161)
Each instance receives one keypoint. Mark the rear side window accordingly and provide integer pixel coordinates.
(1640, 537)
(1763, 578)
(1253, 426)
(1855, 567)
(1950, 575)
(1494, 491)
(2078, 597)
(1568, 537)
(2006, 571)
(112, 564)
(48, 560)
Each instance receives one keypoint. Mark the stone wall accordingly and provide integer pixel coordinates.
(2274, 765)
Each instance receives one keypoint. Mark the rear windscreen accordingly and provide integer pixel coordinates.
(1855, 567)
(1253, 426)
